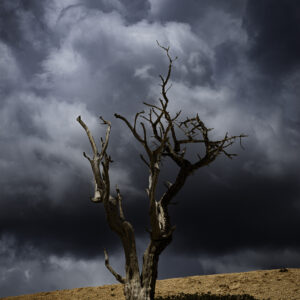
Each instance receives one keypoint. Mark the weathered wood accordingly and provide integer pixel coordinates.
(141, 285)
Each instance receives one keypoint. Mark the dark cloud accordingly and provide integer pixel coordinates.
(253, 211)
(23, 29)
(273, 27)
(34, 272)
(76, 229)
(192, 11)
(133, 11)
(227, 56)
(94, 58)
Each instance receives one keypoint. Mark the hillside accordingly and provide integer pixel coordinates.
(279, 284)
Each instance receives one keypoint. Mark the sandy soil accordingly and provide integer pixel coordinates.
(279, 284)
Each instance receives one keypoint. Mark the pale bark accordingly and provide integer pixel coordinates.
(141, 285)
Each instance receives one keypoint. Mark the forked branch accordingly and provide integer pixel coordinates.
(112, 205)
(101, 187)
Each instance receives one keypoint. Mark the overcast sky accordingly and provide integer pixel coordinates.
(238, 67)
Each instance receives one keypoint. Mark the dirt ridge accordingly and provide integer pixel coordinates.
(276, 284)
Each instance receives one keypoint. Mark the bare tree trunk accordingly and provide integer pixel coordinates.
(134, 291)
(167, 144)
(150, 265)
(143, 287)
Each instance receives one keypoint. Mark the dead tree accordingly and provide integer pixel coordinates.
(171, 140)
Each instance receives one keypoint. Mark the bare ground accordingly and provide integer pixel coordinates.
(279, 284)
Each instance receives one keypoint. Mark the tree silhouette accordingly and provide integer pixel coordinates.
(170, 138)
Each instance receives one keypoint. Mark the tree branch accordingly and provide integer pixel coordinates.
(112, 271)
(144, 160)
(104, 144)
(119, 198)
(91, 139)
(143, 141)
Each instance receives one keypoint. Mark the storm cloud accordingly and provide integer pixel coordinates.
(238, 67)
